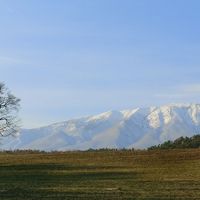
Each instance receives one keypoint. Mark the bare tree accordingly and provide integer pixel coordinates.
(9, 105)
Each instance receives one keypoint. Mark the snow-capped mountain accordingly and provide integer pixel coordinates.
(134, 128)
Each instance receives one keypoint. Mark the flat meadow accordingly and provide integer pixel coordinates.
(101, 174)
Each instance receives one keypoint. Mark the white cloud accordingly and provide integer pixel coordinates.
(181, 92)
(191, 88)
(9, 61)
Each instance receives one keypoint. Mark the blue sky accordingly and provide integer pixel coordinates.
(71, 58)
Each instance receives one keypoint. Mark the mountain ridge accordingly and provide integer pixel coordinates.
(130, 128)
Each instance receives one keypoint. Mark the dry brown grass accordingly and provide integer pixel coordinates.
(166, 174)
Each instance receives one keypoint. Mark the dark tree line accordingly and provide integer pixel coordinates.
(182, 142)
(9, 105)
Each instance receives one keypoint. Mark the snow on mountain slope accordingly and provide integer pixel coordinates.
(134, 128)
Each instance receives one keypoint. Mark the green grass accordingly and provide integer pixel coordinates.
(166, 174)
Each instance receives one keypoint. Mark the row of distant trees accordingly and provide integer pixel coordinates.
(182, 142)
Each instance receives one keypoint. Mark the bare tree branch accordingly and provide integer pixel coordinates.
(9, 105)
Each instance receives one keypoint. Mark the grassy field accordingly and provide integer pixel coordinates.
(172, 174)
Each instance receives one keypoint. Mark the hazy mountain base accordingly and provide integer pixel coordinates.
(105, 174)
(133, 128)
